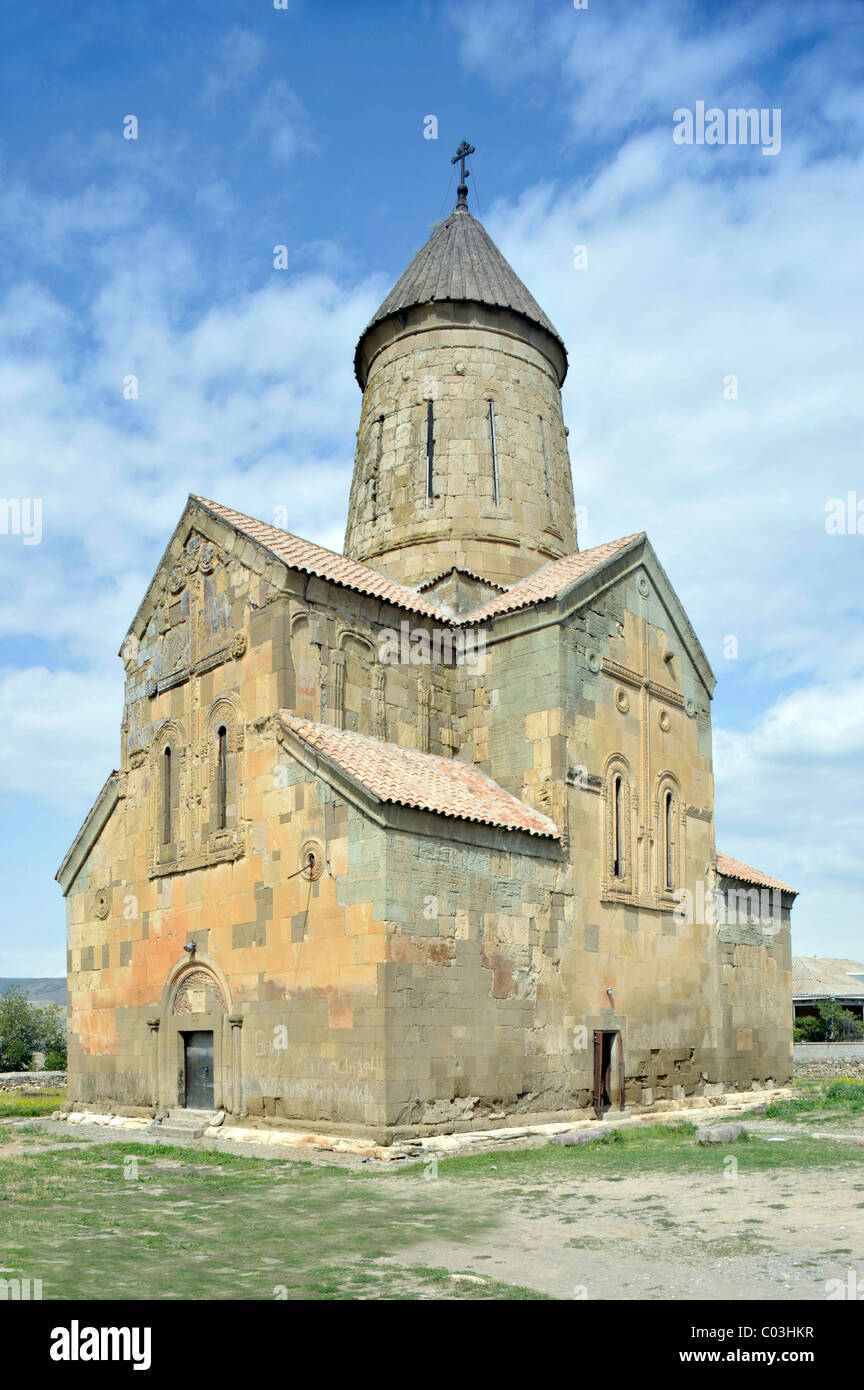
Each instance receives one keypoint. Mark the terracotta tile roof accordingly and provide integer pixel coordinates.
(460, 261)
(422, 780)
(326, 564)
(545, 583)
(552, 579)
(733, 868)
(458, 569)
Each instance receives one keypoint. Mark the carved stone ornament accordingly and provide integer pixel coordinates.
(593, 660)
(122, 785)
(315, 869)
(102, 903)
(690, 709)
(622, 700)
(191, 996)
(643, 586)
(664, 721)
(176, 579)
(238, 645)
(207, 559)
(151, 688)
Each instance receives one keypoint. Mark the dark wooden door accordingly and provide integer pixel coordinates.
(603, 1045)
(199, 1070)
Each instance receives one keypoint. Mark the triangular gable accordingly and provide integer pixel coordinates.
(95, 821)
(576, 580)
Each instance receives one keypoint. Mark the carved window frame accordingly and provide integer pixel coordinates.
(217, 841)
(171, 735)
(618, 887)
(664, 892)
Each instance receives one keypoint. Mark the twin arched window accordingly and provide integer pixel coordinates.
(666, 871)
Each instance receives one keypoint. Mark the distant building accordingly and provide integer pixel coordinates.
(815, 978)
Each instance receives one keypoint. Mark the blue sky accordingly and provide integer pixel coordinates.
(304, 127)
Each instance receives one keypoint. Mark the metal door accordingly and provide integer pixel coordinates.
(199, 1070)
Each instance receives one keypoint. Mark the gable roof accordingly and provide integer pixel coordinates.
(822, 977)
(733, 868)
(460, 261)
(424, 781)
(94, 823)
(326, 564)
(552, 579)
(468, 574)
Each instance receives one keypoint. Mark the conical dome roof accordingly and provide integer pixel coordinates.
(460, 261)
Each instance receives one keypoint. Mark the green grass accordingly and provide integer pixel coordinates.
(203, 1224)
(196, 1224)
(646, 1149)
(13, 1105)
(842, 1098)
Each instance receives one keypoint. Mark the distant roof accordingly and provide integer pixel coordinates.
(424, 781)
(733, 868)
(460, 261)
(821, 977)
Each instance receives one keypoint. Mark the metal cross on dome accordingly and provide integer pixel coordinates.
(460, 156)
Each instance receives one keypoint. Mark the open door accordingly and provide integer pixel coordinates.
(604, 1046)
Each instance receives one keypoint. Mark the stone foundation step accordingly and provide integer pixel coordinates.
(187, 1124)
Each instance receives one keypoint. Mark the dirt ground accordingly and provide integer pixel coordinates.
(654, 1216)
(769, 1236)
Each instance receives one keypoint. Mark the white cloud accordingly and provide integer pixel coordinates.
(705, 263)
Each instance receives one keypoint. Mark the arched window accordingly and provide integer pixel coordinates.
(222, 777)
(166, 797)
(618, 830)
(668, 833)
(221, 813)
(668, 861)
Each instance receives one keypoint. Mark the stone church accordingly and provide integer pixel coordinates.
(420, 837)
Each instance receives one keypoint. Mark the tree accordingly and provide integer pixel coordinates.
(20, 1030)
(839, 1025)
(832, 1024)
(53, 1037)
(26, 1028)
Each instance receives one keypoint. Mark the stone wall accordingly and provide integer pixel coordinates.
(437, 973)
(458, 358)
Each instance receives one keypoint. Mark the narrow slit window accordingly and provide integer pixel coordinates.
(667, 812)
(430, 450)
(494, 453)
(222, 778)
(617, 829)
(166, 797)
(545, 462)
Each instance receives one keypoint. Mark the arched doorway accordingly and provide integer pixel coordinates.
(198, 1069)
